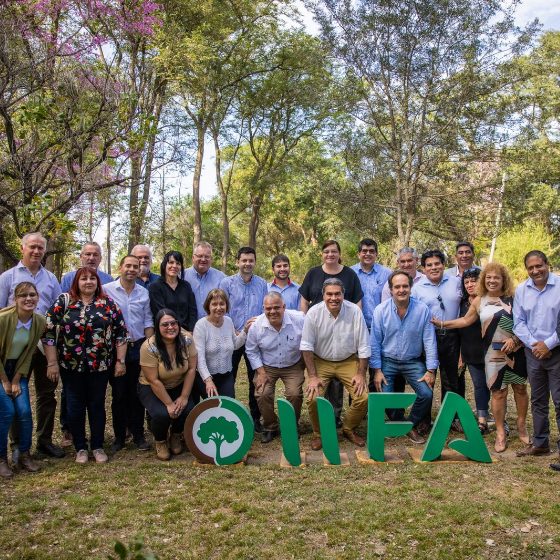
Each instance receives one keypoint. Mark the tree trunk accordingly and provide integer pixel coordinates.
(223, 201)
(254, 222)
(197, 223)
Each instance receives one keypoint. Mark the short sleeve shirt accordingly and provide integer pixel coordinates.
(312, 286)
(150, 357)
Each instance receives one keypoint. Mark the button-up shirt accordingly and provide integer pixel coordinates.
(403, 339)
(151, 279)
(135, 307)
(449, 292)
(46, 283)
(290, 293)
(386, 293)
(335, 338)
(68, 278)
(372, 285)
(454, 271)
(202, 284)
(245, 298)
(535, 312)
(267, 346)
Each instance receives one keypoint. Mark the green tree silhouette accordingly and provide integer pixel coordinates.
(218, 430)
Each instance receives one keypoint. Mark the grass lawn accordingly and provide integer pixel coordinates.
(510, 508)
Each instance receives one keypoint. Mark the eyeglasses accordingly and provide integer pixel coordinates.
(441, 304)
(368, 251)
(32, 295)
(168, 324)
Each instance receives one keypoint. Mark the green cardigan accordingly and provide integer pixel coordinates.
(8, 322)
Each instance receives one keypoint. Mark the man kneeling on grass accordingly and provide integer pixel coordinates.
(403, 342)
(335, 345)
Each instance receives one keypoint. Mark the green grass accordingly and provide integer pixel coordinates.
(437, 511)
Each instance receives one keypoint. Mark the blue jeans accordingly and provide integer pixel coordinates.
(412, 371)
(85, 392)
(20, 408)
(481, 391)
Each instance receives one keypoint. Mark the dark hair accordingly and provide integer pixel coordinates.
(74, 290)
(280, 258)
(180, 344)
(330, 242)
(175, 255)
(367, 242)
(128, 256)
(535, 253)
(212, 294)
(469, 273)
(245, 251)
(464, 244)
(399, 273)
(431, 254)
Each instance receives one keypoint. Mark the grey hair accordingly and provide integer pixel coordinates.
(203, 244)
(332, 282)
(405, 251)
(92, 244)
(28, 236)
(141, 245)
(274, 295)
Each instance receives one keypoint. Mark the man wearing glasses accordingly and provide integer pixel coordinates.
(442, 294)
(144, 255)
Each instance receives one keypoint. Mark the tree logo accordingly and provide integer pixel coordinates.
(219, 430)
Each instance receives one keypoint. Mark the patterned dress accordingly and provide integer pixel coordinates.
(502, 369)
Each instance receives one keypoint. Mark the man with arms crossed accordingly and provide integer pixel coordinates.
(335, 345)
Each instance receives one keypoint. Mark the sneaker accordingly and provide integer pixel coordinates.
(82, 456)
(100, 456)
(27, 463)
(66, 439)
(162, 451)
(176, 443)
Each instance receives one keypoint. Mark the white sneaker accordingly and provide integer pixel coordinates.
(82, 456)
(100, 456)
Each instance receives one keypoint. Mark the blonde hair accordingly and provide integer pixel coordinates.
(496, 268)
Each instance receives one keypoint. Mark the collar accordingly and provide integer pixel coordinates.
(121, 287)
(550, 281)
(286, 320)
(243, 281)
(428, 282)
(409, 306)
(21, 265)
(274, 282)
(26, 325)
(374, 268)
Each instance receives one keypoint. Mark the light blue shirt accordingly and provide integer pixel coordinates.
(68, 278)
(403, 339)
(448, 289)
(245, 298)
(290, 294)
(372, 283)
(267, 346)
(46, 283)
(535, 312)
(135, 308)
(201, 284)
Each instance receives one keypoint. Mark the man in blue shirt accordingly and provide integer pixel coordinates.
(144, 255)
(282, 283)
(201, 276)
(246, 292)
(403, 342)
(90, 256)
(442, 294)
(536, 309)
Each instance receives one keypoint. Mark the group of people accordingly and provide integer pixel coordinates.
(164, 342)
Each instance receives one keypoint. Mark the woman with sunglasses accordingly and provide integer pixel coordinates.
(20, 330)
(504, 357)
(168, 366)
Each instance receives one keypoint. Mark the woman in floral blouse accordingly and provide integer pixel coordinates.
(85, 329)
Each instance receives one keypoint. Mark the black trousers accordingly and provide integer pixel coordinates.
(449, 347)
(236, 358)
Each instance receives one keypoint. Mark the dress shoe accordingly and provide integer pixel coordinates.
(352, 436)
(415, 437)
(142, 445)
(258, 426)
(100, 456)
(316, 443)
(176, 443)
(116, 446)
(26, 462)
(268, 435)
(51, 450)
(162, 451)
(531, 450)
(555, 466)
(5, 471)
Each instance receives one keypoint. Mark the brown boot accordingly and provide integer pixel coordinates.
(162, 451)
(5, 471)
(26, 462)
(176, 443)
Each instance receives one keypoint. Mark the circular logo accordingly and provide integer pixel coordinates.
(219, 430)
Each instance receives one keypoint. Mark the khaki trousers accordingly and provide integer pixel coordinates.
(344, 371)
(293, 378)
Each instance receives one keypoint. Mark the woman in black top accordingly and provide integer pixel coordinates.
(172, 292)
(472, 351)
(311, 289)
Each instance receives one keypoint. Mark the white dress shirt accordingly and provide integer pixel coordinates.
(335, 338)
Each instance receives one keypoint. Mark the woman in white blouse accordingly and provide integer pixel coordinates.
(215, 339)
